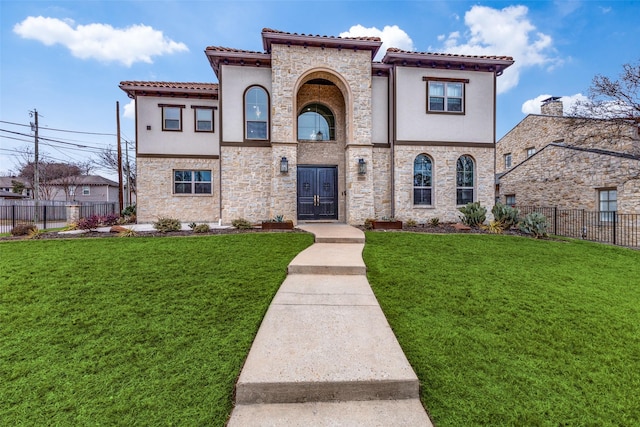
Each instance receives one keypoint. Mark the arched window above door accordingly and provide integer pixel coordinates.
(316, 122)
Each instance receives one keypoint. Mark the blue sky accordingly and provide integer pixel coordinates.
(66, 58)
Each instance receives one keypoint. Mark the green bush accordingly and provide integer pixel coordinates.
(23, 229)
(201, 228)
(368, 223)
(129, 210)
(164, 225)
(535, 224)
(473, 214)
(410, 223)
(505, 215)
(434, 222)
(241, 224)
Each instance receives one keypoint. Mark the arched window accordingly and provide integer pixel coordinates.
(256, 113)
(316, 123)
(464, 180)
(422, 180)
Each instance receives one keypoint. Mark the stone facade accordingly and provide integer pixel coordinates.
(444, 160)
(559, 176)
(157, 189)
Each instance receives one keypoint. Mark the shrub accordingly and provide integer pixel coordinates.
(164, 225)
(129, 210)
(368, 223)
(535, 224)
(201, 228)
(434, 222)
(473, 214)
(128, 232)
(34, 233)
(89, 223)
(495, 227)
(410, 223)
(23, 229)
(506, 215)
(278, 218)
(109, 220)
(241, 224)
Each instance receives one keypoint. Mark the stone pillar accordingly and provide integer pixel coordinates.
(360, 194)
(283, 185)
(73, 213)
(552, 107)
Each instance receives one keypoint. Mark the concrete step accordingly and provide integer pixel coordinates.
(334, 233)
(325, 338)
(381, 413)
(329, 258)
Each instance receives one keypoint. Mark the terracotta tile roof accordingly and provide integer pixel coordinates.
(232, 50)
(450, 55)
(172, 85)
(372, 39)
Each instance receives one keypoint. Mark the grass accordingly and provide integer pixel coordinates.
(124, 332)
(509, 331)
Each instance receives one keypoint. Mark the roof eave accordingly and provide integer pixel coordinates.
(443, 61)
(269, 38)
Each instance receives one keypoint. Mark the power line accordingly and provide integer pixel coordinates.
(61, 130)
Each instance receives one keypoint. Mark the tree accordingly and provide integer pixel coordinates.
(51, 176)
(108, 159)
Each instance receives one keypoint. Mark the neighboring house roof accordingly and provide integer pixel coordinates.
(575, 148)
(85, 180)
(133, 88)
(7, 181)
(10, 195)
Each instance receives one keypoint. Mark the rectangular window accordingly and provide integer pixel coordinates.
(531, 151)
(445, 95)
(171, 117)
(507, 161)
(510, 200)
(204, 119)
(608, 204)
(86, 191)
(192, 182)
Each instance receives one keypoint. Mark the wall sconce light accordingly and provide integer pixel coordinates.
(362, 167)
(284, 165)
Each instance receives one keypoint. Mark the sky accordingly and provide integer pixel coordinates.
(65, 59)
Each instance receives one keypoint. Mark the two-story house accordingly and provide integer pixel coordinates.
(313, 128)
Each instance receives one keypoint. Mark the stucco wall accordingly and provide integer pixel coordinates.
(413, 122)
(155, 191)
(185, 142)
(571, 179)
(380, 110)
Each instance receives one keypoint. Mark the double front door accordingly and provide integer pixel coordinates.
(317, 192)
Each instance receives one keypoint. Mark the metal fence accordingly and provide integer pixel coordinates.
(604, 227)
(46, 215)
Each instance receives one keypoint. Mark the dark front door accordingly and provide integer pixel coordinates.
(317, 192)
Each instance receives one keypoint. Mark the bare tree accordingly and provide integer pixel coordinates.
(52, 175)
(108, 159)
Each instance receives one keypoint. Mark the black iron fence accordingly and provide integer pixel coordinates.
(47, 215)
(605, 227)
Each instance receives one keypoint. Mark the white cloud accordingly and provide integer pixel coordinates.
(137, 43)
(506, 32)
(391, 36)
(532, 106)
(130, 110)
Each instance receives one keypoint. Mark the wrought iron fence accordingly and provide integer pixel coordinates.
(604, 227)
(46, 215)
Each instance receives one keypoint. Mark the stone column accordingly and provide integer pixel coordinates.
(360, 194)
(283, 185)
(73, 213)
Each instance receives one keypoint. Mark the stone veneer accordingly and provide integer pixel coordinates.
(570, 179)
(444, 160)
(156, 190)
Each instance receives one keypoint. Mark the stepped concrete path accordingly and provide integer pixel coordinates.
(324, 354)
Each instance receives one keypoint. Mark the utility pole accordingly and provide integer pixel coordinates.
(36, 172)
(126, 152)
(120, 194)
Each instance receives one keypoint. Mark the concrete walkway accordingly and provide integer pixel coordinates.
(324, 354)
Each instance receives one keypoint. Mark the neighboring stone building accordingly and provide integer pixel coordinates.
(314, 129)
(549, 160)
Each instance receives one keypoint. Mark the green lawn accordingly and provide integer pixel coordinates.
(516, 332)
(132, 331)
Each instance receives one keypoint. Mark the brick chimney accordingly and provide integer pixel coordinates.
(552, 106)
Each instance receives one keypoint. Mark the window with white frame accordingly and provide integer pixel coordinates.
(531, 151)
(422, 180)
(445, 95)
(171, 117)
(507, 161)
(608, 199)
(192, 182)
(86, 190)
(464, 180)
(203, 119)
(256, 113)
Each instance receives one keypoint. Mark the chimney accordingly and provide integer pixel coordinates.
(552, 106)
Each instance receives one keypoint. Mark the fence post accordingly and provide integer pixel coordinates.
(44, 215)
(13, 216)
(555, 220)
(613, 229)
(73, 213)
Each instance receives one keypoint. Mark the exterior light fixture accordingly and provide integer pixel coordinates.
(362, 167)
(284, 165)
(319, 136)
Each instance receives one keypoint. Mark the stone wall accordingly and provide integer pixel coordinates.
(155, 197)
(444, 160)
(570, 179)
(381, 171)
(536, 131)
